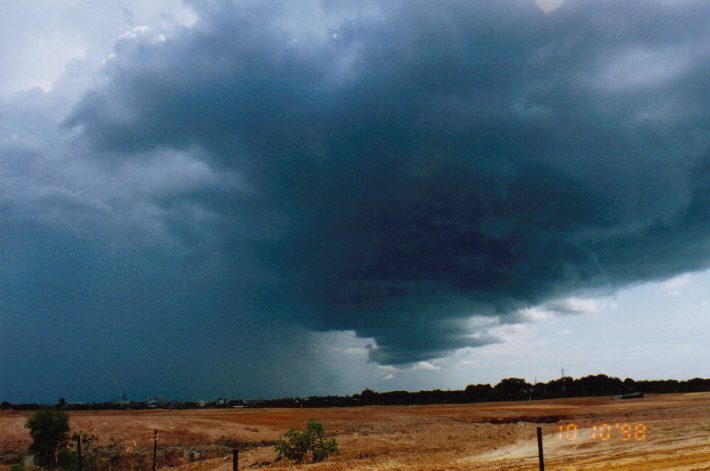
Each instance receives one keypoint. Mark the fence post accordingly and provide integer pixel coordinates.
(539, 449)
(235, 459)
(155, 448)
(77, 437)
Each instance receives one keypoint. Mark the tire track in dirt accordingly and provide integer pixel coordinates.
(672, 449)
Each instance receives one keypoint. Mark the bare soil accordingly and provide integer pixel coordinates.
(669, 431)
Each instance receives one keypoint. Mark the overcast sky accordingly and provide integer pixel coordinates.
(258, 199)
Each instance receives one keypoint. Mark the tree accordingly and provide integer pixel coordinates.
(479, 392)
(513, 389)
(49, 429)
(300, 446)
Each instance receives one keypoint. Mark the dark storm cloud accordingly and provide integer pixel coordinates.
(405, 165)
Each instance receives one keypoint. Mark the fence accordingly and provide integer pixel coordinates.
(235, 452)
(154, 463)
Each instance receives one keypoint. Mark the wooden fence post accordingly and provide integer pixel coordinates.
(155, 448)
(235, 459)
(78, 450)
(539, 449)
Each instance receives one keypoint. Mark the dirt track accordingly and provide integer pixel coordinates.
(493, 436)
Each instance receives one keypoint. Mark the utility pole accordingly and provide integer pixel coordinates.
(564, 387)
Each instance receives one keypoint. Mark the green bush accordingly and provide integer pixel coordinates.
(309, 444)
(49, 429)
(53, 447)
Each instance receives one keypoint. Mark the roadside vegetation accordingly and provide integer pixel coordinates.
(308, 445)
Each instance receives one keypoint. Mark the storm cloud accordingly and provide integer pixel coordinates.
(394, 168)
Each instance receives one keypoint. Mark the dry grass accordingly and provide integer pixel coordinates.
(495, 436)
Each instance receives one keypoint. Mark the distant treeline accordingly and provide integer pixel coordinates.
(509, 389)
(132, 405)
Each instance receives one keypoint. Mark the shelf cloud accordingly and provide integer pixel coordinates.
(394, 168)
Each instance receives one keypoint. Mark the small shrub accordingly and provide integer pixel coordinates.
(89, 452)
(309, 444)
(49, 429)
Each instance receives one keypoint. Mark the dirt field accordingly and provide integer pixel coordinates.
(658, 432)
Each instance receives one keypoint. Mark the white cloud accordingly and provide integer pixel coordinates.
(575, 305)
(673, 287)
(135, 32)
(535, 314)
(351, 350)
(548, 6)
(44, 36)
(424, 366)
(389, 370)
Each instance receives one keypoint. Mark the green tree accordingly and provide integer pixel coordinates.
(513, 389)
(309, 444)
(49, 429)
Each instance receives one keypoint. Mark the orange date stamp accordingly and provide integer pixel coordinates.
(603, 432)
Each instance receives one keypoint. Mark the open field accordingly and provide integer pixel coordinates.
(675, 434)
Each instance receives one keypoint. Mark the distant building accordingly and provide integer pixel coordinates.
(635, 395)
(153, 402)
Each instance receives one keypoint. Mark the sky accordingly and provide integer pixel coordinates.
(204, 199)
